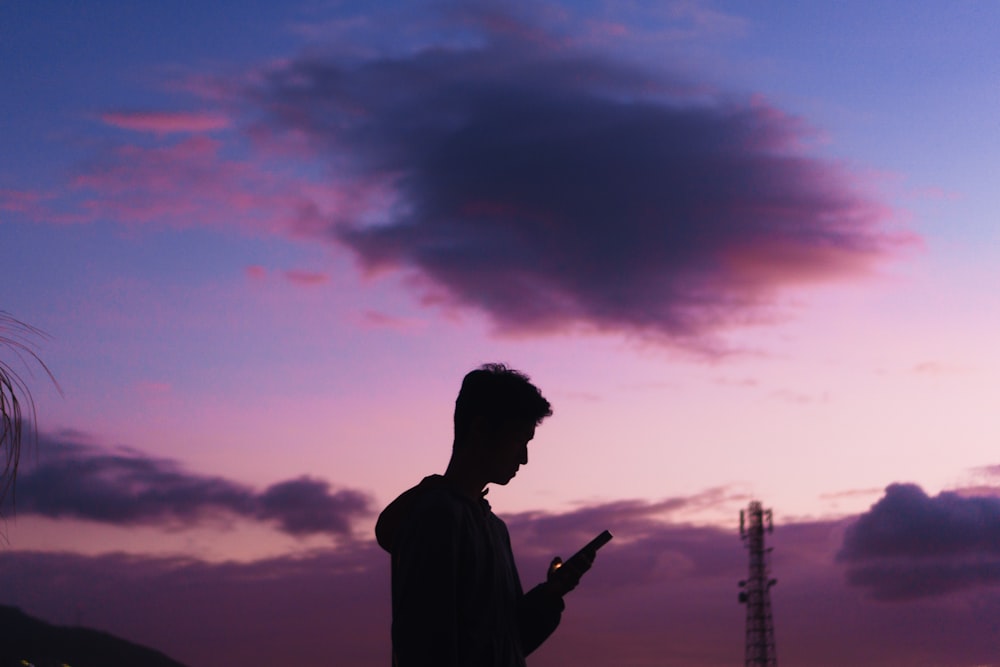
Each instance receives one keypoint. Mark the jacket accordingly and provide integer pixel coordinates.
(457, 599)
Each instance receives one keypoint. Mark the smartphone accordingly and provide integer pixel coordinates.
(596, 543)
(591, 546)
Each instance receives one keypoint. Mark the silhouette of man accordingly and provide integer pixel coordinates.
(457, 599)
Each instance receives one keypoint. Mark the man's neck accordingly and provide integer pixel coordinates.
(465, 480)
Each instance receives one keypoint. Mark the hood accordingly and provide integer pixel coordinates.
(393, 516)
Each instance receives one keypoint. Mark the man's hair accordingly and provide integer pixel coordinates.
(498, 394)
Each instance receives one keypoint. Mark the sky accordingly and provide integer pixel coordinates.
(747, 250)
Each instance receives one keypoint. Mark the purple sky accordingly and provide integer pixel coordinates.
(746, 250)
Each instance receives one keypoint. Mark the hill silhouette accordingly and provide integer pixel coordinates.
(24, 638)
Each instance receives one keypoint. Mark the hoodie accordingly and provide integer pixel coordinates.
(457, 599)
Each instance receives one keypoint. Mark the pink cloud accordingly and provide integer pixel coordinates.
(190, 183)
(505, 24)
(193, 181)
(705, 21)
(21, 201)
(738, 382)
(933, 368)
(154, 390)
(608, 29)
(298, 277)
(378, 320)
(852, 493)
(256, 272)
(990, 470)
(798, 397)
(306, 278)
(935, 193)
(167, 122)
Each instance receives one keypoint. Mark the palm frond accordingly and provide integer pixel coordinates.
(17, 338)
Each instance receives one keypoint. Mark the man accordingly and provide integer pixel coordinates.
(457, 599)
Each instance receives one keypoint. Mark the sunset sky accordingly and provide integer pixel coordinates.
(747, 250)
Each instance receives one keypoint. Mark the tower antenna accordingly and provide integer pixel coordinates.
(755, 593)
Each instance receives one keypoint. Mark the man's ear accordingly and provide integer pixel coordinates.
(479, 430)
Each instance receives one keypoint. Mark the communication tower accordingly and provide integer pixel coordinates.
(754, 521)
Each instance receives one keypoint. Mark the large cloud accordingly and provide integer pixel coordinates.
(554, 188)
(76, 480)
(910, 545)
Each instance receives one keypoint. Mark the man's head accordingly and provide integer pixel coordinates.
(496, 413)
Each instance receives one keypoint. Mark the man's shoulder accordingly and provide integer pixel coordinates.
(432, 499)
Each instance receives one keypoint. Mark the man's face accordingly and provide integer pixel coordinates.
(506, 450)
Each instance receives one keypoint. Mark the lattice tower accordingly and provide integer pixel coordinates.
(755, 593)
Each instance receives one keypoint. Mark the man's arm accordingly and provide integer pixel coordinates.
(541, 608)
(539, 613)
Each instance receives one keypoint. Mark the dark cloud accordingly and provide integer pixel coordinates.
(305, 506)
(660, 593)
(910, 545)
(73, 479)
(908, 523)
(904, 581)
(553, 188)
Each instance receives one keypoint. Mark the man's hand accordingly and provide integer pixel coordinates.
(563, 577)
